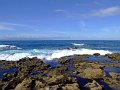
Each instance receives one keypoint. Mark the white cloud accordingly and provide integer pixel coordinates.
(6, 27)
(106, 11)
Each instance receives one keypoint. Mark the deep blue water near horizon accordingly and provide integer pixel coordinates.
(111, 45)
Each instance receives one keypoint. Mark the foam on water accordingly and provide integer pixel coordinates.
(50, 54)
(77, 44)
(8, 47)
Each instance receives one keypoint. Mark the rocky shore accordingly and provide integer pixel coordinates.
(78, 72)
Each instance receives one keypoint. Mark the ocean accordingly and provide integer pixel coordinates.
(53, 49)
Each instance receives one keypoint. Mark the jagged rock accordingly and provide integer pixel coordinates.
(91, 73)
(25, 85)
(38, 85)
(113, 82)
(114, 56)
(73, 86)
(55, 87)
(58, 80)
(93, 86)
(62, 79)
(11, 84)
(114, 75)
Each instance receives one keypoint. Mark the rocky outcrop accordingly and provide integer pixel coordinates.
(93, 73)
(93, 86)
(114, 75)
(114, 56)
(34, 74)
(26, 84)
(73, 86)
(62, 79)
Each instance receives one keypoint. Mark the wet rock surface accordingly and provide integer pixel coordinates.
(69, 73)
(114, 56)
(94, 85)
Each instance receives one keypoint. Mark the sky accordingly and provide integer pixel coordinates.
(59, 19)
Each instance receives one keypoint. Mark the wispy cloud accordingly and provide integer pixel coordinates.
(106, 12)
(110, 11)
(6, 27)
(67, 13)
(15, 26)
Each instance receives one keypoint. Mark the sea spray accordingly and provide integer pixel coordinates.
(51, 55)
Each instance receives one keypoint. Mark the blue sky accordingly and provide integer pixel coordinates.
(60, 19)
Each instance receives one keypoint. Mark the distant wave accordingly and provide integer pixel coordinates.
(51, 55)
(8, 47)
(77, 44)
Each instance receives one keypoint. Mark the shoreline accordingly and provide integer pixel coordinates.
(76, 72)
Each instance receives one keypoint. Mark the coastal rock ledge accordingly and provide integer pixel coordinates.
(69, 73)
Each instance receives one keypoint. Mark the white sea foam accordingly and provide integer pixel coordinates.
(14, 56)
(77, 44)
(8, 47)
(51, 55)
(62, 53)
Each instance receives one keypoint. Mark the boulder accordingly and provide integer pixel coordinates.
(96, 54)
(93, 86)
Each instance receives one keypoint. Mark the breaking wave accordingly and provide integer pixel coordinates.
(77, 44)
(8, 47)
(50, 54)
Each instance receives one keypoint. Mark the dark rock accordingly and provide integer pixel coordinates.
(96, 54)
(11, 84)
(114, 56)
(93, 86)
(25, 85)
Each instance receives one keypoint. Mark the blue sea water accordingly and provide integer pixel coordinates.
(51, 48)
